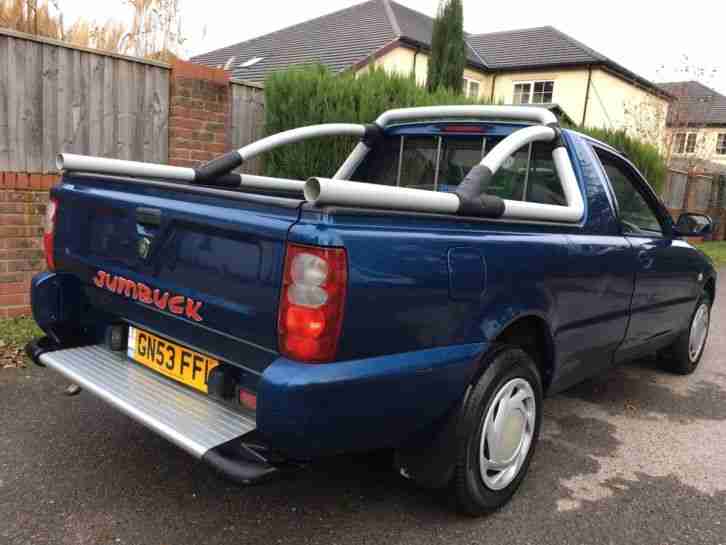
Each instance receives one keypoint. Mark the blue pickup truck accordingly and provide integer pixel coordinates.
(464, 262)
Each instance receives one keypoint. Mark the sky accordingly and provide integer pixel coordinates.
(659, 42)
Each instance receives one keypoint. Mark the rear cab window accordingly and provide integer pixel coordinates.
(440, 163)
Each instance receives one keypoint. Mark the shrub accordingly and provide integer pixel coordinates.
(646, 157)
(313, 94)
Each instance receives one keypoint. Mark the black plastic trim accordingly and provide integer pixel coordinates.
(472, 199)
(37, 347)
(230, 460)
(216, 168)
(373, 135)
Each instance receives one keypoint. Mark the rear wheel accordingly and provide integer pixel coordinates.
(684, 355)
(500, 426)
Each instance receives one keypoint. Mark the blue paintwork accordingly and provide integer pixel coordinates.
(205, 248)
(427, 295)
(313, 410)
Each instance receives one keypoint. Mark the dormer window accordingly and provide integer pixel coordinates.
(251, 62)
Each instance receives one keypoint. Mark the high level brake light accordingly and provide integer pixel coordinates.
(311, 306)
(49, 233)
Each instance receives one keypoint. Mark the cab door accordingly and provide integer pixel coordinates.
(666, 280)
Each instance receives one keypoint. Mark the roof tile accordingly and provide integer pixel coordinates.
(344, 38)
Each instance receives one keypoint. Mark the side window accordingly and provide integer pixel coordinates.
(637, 217)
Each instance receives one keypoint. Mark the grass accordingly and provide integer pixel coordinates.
(16, 332)
(715, 250)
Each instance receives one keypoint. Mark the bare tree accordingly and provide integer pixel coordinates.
(154, 30)
(688, 114)
(38, 17)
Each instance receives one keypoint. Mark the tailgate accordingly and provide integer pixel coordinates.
(201, 269)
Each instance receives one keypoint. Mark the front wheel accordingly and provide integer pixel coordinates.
(499, 428)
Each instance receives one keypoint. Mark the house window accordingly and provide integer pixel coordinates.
(685, 143)
(471, 88)
(534, 92)
(691, 142)
(721, 144)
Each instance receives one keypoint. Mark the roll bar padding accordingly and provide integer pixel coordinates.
(212, 170)
(373, 134)
(472, 199)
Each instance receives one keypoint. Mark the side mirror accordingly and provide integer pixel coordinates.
(693, 225)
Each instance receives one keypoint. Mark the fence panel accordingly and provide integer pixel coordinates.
(55, 97)
(247, 119)
(675, 189)
(701, 192)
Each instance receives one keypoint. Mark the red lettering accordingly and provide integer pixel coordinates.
(160, 301)
(111, 282)
(126, 287)
(193, 310)
(100, 278)
(176, 304)
(144, 292)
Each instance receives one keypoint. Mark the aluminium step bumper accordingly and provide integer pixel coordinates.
(199, 425)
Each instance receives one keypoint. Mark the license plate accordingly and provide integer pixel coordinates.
(170, 359)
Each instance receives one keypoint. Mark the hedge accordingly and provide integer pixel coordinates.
(650, 162)
(313, 94)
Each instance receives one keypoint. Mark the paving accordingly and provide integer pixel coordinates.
(634, 456)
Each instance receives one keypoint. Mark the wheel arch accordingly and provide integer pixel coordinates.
(710, 288)
(532, 333)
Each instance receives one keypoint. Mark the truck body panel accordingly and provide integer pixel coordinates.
(201, 248)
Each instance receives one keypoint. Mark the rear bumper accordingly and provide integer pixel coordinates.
(204, 428)
(307, 411)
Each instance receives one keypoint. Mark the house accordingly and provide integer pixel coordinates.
(529, 66)
(696, 126)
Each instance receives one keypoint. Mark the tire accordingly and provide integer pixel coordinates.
(510, 374)
(683, 356)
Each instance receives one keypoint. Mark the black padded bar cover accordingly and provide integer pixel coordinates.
(373, 135)
(472, 199)
(558, 143)
(226, 180)
(206, 173)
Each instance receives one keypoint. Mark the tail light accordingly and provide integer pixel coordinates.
(49, 232)
(311, 306)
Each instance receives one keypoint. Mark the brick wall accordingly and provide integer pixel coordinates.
(199, 101)
(23, 198)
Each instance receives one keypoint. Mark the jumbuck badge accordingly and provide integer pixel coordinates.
(138, 291)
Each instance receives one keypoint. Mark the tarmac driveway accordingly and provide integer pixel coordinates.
(635, 456)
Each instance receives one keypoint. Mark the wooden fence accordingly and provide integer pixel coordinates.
(247, 119)
(701, 193)
(55, 97)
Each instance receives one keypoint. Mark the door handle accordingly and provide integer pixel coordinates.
(148, 217)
